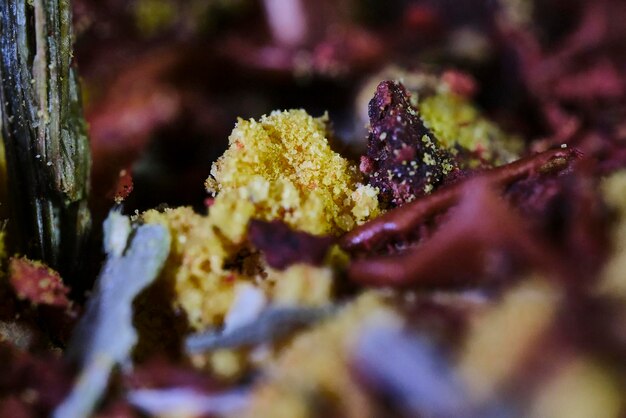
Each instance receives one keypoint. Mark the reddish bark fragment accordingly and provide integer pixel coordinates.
(283, 246)
(37, 283)
(124, 186)
(402, 220)
(406, 160)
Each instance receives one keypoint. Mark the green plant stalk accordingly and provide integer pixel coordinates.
(45, 134)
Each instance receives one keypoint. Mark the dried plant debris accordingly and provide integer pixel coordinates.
(281, 246)
(124, 186)
(459, 272)
(280, 167)
(37, 283)
(271, 324)
(187, 402)
(31, 385)
(37, 306)
(404, 159)
(428, 136)
(401, 221)
(44, 132)
(105, 335)
(470, 235)
(445, 103)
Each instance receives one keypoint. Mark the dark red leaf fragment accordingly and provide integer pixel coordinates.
(283, 246)
(482, 225)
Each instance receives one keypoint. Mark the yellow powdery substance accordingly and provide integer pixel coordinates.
(283, 167)
(456, 122)
(280, 167)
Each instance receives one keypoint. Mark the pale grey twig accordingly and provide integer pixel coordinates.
(105, 335)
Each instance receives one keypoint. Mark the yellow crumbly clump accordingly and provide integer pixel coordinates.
(203, 287)
(281, 167)
(302, 284)
(456, 122)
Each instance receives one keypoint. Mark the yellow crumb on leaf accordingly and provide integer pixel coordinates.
(280, 167)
